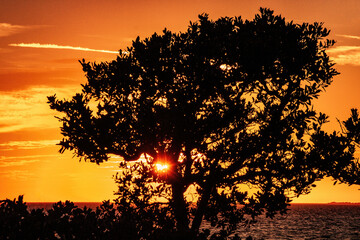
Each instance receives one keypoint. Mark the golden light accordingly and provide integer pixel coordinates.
(225, 67)
(161, 167)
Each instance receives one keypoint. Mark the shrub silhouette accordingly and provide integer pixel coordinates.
(63, 221)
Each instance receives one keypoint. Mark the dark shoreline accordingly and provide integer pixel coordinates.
(48, 205)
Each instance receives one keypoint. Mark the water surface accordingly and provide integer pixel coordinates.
(309, 221)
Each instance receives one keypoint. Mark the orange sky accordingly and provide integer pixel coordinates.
(29, 160)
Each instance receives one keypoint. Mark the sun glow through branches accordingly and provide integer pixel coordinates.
(161, 167)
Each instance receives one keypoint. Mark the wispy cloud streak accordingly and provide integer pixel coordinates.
(16, 163)
(22, 175)
(7, 29)
(27, 109)
(26, 157)
(13, 145)
(345, 55)
(342, 49)
(348, 36)
(55, 46)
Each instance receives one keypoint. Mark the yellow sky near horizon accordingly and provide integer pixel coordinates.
(41, 42)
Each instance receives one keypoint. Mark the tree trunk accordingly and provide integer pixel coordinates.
(200, 211)
(180, 210)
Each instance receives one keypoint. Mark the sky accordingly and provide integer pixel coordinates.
(41, 42)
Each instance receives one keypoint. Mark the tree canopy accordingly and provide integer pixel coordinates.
(226, 105)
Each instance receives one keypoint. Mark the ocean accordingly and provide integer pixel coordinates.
(303, 221)
(309, 221)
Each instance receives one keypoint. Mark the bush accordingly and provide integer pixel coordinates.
(63, 221)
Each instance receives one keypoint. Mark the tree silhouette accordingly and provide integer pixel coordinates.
(225, 105)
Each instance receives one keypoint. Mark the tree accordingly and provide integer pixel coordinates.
(225, 105)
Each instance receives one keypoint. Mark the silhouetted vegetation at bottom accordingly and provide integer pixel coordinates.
(63, 221)
(67, 221)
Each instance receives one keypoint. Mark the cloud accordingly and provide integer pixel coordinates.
(16, 163)
(348, 36)
(7, 29)
(17, 174)
(27, 157)
(23, 160)
(55, 46)
(344, 55)
(15, 145)
(342, 49)
(28, 109)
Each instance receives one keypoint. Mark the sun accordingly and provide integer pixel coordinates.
(161, 167)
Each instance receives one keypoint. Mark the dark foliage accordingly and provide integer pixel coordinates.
(67, 221)
(63, 221)
(226, 105)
